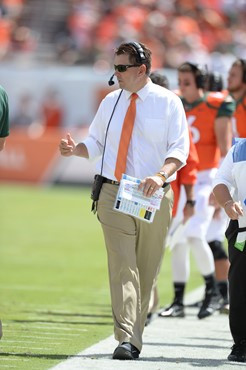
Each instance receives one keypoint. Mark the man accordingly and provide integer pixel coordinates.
(208, 116)
(231, 176)
(4, 132)
(237, 88)
(186, 177)
(158, 147)
(4, 117)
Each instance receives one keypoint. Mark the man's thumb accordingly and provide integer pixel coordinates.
(69, 139)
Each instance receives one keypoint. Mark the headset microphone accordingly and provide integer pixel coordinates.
(111, 82)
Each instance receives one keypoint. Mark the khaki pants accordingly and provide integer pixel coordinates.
(135, 249)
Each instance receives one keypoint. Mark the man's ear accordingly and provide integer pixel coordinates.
(142, 69)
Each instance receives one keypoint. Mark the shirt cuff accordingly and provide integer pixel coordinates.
(92, 147)
(177, 155)
(220, 181)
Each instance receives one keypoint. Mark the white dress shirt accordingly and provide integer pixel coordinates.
(160, 132)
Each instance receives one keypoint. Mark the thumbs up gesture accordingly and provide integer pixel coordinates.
(67, 146)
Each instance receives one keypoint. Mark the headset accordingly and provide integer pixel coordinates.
(201, 77)
(243, 63)
(215, 81)
(140, 57)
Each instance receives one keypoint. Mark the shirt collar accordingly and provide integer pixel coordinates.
(143, 93)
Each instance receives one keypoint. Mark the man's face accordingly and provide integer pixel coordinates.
(187, 84)
(235, 78)
(127, 80)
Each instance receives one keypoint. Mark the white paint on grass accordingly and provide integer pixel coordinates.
(44, 332)
(25, 341)
(38, 287)
(49, 327)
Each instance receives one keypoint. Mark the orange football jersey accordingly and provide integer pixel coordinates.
(201, 116)
(239, 119)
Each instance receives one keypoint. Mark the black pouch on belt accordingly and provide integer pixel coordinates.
(95, 191)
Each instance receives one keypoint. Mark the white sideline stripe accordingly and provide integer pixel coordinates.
(74, 362)
(45, 337)
(8, 366)
(31, 348)
(12, 359)
(50, 327)
(46, 333)
(38, 287)
(23, 341)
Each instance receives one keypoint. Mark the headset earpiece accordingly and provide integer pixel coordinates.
(201, 74)
(140, 58)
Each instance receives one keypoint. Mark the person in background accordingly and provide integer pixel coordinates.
(24, 116)
(4, 117)
(4, 132)
(159, 79)
(151, 143)
(186, 177)
(52, 112)
(231, 176)
(237, 88)
(208, 116)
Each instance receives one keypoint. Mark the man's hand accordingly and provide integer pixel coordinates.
(67, 146)
(233, 209)
(150, 184)
(188, 212)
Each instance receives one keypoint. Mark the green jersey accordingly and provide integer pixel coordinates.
(4, 113)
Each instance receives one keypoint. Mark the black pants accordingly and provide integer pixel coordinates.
(237, 285)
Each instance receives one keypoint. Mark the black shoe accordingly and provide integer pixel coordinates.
(149, 318)
(207, 308)
(126, 351)
(238, 353)
(175, 310)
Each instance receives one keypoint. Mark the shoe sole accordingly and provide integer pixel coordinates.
(174, 316)
(235, 359)
(123, 354)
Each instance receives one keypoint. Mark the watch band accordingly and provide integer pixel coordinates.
(191, 202)
(162, 174)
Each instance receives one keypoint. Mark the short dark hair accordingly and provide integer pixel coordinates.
(159, 79)
(198, 72)
(134, 57)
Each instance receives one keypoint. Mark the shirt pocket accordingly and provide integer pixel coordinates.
(154, 129)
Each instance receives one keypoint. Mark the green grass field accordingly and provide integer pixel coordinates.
(53, 276)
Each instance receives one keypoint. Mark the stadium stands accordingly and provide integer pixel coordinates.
(84, 31)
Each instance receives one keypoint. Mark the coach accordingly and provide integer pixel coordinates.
(146, 137)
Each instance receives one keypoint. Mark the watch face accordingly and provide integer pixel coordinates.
(164, 174)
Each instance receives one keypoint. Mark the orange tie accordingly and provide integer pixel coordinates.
(125, 138)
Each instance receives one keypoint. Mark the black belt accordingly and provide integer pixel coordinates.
(113, 182)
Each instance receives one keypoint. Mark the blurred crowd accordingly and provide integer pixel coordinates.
(13, 35)
(207, 31)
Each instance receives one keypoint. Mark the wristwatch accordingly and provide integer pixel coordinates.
(162, 174)
(191, 202)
